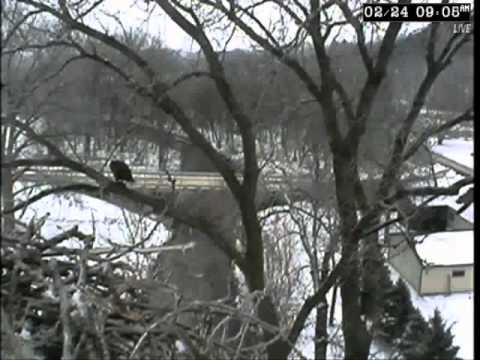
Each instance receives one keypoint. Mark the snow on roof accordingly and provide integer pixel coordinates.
(460, 151)
(457, 150)
(447, 248)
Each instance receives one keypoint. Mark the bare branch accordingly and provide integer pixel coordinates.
(353, 20)
(466, 116)
(67, 162)
(432, 190)
(224, 89)
(44, 193)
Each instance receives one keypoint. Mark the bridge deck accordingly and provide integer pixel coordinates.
(158, 181)
(144, 179)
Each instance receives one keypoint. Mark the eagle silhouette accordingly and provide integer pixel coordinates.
(121, 171)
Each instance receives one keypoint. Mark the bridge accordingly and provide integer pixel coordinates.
(158, 181)
(147, 179)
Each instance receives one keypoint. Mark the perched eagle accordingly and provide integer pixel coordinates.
(121, 171)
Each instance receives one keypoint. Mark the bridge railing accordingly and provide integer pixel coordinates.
(153, 180)
(148, 179)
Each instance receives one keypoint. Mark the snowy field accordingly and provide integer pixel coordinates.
(109, 224)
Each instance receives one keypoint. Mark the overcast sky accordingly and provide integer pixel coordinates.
(133, 15)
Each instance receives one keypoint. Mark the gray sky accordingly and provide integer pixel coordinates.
(133, 14)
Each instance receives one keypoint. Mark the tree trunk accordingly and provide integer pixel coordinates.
(357, 338)
(87, 143)
(372, 274)
(161, 157)
(7, 146)
(8, 220)
(284, 138)
(332, 306)
(255, 273)
(321, 333)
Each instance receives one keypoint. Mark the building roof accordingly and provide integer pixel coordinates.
(460, 151)
(446, 248)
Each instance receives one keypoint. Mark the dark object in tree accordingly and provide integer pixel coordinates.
(430, 219)
(440, 139)
(466, 200)
(376, 283)
(121, 171)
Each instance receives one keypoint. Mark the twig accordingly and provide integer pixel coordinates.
(64, 314)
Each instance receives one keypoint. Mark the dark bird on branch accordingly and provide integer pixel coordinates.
(121, 171)
(465, 199)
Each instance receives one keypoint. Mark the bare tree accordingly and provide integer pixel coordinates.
(345, 118)
(26, 92)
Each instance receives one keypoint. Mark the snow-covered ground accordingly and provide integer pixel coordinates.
(109, 222)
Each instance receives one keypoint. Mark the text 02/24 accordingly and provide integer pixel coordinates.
(416, 12)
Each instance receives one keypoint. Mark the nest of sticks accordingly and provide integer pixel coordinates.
(60, 302)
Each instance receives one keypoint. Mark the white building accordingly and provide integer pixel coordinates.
(440, 263)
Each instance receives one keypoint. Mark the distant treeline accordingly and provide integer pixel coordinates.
(95, 110)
